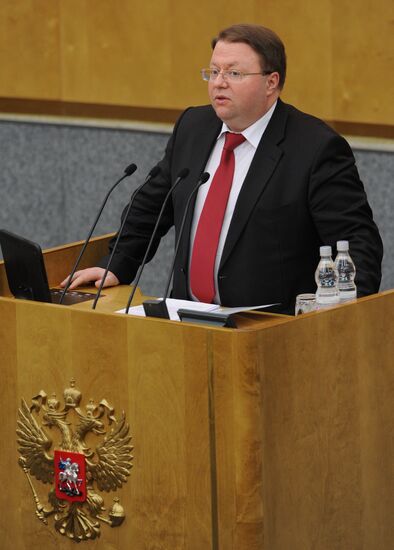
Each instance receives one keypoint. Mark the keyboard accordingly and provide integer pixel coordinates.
(71, 297)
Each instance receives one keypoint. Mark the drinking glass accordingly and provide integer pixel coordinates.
(305, 303)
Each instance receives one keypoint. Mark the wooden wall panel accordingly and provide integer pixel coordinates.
(363, 61)
(196, 24)
(306, 34)
(116, 53)
(127, 53)
(30, 49)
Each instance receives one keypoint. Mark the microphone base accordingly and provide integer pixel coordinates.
(211, 318)
(156, 308)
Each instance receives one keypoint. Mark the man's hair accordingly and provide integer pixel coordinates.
(263, 41)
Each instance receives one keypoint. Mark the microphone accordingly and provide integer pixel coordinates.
(182, 175)
(158, 308)
(152, 174)
(129, 170)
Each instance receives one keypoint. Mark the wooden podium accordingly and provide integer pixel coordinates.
(278, 435)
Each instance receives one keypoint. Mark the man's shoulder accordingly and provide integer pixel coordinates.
(199, 114)
(311, 133)
(301, 121)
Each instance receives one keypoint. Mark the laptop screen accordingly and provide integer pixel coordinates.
(25, 267)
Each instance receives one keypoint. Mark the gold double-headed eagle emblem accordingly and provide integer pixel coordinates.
(71, 430)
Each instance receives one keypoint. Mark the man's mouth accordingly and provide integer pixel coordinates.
(221, 99)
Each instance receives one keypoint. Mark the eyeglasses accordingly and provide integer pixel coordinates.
(232, 75)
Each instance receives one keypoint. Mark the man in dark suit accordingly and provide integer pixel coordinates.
(294, 186)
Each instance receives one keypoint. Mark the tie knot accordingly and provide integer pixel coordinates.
(233, 140)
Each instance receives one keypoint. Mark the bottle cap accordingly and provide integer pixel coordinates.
(325, 251)
(343, 246)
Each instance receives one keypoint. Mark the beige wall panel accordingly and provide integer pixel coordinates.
(126, 53)
(363, 61)
(195, 24)
(29, 49)
(340, 54)
(305, 28)
(116, 52)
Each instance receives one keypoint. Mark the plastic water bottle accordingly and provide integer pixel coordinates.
(326, 278)
(346, 272)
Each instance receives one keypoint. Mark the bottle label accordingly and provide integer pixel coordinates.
(327, 281)
(345, 275)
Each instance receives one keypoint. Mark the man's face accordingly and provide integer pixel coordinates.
(240, 104)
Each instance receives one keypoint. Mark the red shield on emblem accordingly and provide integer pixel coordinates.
(70, 476)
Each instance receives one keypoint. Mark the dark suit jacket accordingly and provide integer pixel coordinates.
(302, 190)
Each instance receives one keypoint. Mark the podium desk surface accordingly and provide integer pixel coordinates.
(115, 298)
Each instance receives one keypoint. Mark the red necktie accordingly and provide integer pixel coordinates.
(210, 223)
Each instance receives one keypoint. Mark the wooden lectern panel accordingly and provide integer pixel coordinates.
(157, 377)
(304, 424)
(329, 425)
(273, 436)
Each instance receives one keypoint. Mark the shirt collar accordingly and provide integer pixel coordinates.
(254, 132)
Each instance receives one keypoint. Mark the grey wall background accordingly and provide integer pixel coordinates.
(53, 177)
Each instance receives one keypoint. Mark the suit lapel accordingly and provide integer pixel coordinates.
(265, 160)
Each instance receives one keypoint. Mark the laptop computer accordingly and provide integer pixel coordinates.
(26, 273)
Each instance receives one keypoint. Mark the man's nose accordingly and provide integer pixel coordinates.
(220, 80)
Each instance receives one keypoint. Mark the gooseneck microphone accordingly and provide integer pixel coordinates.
(129, 170)
(182, 175)
(152, 174)
(158, 308)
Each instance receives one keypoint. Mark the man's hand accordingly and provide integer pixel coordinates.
(89, 276)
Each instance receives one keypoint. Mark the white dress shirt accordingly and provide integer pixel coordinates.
(244, 154)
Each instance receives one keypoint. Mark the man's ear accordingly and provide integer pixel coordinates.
(273, 80)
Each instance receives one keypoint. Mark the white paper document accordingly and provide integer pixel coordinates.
(173, 305)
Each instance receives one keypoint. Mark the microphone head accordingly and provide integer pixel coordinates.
(153, 173)
(130, 169)
(204, 177)
(183, 173)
